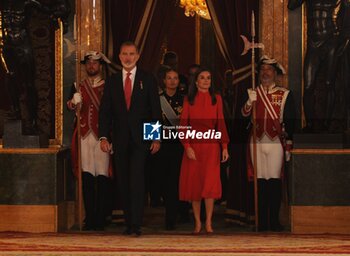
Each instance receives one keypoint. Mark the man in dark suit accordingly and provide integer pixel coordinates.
(130, 98)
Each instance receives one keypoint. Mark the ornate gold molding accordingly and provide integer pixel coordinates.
(90, 29)
(198, 39)
(303, 52)
(49, 150)
(58, 87)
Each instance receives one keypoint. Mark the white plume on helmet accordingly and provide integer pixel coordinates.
(95, 55)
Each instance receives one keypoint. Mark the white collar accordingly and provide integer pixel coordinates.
(133, 72)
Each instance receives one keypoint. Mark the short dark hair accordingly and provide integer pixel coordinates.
(129, 43)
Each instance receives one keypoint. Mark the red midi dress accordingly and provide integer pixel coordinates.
(200, 178)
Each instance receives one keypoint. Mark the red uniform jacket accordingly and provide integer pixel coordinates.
(264, 124)
(277, 96)
(91, 97)
(90, 107)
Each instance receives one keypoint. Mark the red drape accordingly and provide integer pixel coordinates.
(123, 18)
(143, 22)
(162, 18)
(232, 18)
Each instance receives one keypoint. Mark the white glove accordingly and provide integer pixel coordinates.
(289, 146)
(77, 98)
(287, 155)
(252, 96)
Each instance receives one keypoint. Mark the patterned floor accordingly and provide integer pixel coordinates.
(167, 244)
(228, 240)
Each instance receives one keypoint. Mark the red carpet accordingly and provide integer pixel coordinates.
(167, 244)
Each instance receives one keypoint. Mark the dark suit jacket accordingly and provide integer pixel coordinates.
(128, 125)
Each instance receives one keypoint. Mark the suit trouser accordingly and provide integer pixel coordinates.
(169, 165)
(154, 184)
(130, 165)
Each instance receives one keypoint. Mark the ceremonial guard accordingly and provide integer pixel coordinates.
(95, 162)
(275, 115)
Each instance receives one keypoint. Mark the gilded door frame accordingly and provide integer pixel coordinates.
(57, 141)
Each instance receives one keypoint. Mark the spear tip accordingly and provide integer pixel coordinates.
(253, 24)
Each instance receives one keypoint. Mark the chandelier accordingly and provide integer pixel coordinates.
(193, 7)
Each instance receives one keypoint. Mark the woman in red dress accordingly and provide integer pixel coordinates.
(205, 143)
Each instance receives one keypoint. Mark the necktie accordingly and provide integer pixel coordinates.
(127, 90)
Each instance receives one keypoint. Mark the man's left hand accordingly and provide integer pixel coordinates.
(155, 146)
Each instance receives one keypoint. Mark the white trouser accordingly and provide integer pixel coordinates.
(269, 157)
(93, 159)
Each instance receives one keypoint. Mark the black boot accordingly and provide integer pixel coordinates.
(89, 200)
(101, 205)
(262, 204)
(275, 195)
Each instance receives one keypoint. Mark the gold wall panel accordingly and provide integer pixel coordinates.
(274, 32)
(90, 28)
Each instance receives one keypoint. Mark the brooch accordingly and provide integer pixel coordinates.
(141, 85)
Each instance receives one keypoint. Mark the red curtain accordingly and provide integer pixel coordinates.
(144, 22)
(160, 23)
(232, 18)
(123, 18)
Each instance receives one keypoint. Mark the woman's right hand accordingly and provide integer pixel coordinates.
(190, 153)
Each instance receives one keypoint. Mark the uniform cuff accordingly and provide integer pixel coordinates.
(246, 109)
